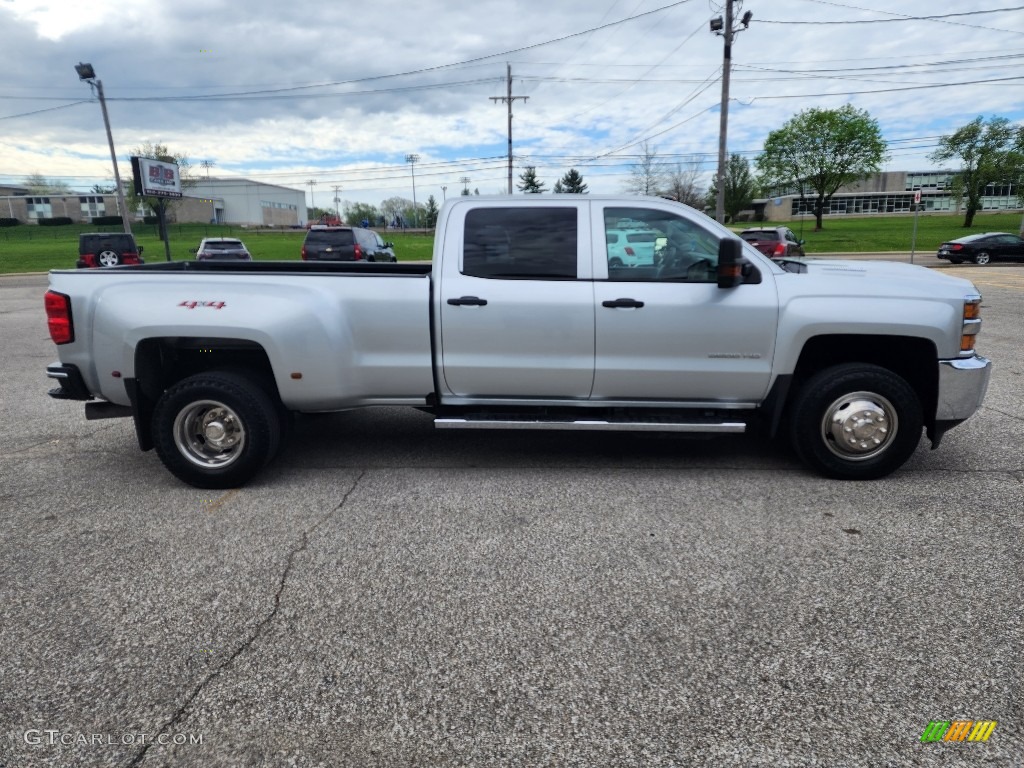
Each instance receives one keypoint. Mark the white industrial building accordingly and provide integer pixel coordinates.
(252, 203)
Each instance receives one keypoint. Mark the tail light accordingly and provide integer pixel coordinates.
(956, 247)
(304, 256)
(358, 252)
(971, 323)
(630, 251)
(130, 258)
(780, 249)
(58, 317)
(89, 259)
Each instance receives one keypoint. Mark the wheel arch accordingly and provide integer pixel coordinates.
(162, 362)
(911, 358)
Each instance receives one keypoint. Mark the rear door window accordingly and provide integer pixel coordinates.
(330, 237)
(523, 243)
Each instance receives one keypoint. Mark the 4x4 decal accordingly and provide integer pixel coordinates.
(194, 304)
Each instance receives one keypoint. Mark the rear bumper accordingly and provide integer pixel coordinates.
(72, 385)
(962, 387)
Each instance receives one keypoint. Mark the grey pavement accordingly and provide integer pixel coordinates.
(388, 594)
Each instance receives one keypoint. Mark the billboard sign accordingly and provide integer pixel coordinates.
(156, 178)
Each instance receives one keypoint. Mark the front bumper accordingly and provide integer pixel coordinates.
(962, 387)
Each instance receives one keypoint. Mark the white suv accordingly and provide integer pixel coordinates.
(631, 247)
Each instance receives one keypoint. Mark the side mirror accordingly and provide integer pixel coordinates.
(730, 263)
(800, 242)
(141, 249)
(389, 245)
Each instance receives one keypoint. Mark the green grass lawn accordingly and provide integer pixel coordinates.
(30, 248)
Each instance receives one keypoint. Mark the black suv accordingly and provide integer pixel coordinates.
(107, 249)
(328, 243)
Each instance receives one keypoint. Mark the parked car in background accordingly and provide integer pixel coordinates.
(983, 248)
(631, 247)
(774, 242)
(328, 243)
(222, 249)
(107, 249)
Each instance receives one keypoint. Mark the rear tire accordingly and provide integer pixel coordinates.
(856, 422)
(216, 429)
(981, 258)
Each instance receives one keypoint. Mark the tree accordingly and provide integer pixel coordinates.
(989, 153)
(159, 206)
(38, 184)
(572, 183)
(398, 211)
(430, 214)
(740, 187)
(357, 213)
(558, 189)
(647, 177)
(682, 182)
(529, 183)
(820, 150)
(100, 189)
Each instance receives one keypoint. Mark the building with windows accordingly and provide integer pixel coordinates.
(223, 201)
(888, 193)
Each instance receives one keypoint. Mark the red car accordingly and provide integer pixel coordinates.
(774, 242)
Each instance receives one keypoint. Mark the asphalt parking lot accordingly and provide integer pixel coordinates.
(388, 594)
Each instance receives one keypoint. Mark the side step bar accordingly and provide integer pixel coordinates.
(705, 426)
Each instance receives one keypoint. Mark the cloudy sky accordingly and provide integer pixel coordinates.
(341, 92)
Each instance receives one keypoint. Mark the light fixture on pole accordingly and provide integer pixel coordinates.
(88, 74)
(444, 193)
(411, 160)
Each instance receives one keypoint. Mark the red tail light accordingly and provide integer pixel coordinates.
(780, 249)
(58, 317)
(358, 252)
(303, 253)
(89, 259)
(957, 247)
(630, 251)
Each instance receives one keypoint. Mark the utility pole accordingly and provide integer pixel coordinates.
(465, 181)
(411, 160)
(726, 31)
(208, 164)
(337, 201)
(312, 199)
(508, 99)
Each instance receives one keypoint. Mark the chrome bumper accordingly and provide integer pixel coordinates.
(962, 387)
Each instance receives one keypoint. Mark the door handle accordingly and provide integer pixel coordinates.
(628, 303)
(468, 301)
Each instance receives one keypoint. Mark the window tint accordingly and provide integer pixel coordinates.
(659, 246)
(538, 243)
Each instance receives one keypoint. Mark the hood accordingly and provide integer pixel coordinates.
(892, 274)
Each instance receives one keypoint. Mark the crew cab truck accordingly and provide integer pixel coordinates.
(523, 321)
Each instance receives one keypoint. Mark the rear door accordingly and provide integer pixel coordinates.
(516, 303)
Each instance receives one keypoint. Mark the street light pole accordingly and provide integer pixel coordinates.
(411, 160)
(88, 74)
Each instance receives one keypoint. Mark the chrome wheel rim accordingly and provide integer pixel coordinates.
(982, 258)
(108, 259)
(859, 426)
(209, 434)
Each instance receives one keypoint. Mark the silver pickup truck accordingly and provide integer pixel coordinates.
(527, 318)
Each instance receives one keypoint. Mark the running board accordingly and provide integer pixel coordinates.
(705, 426)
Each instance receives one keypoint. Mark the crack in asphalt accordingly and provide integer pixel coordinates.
(257, 632)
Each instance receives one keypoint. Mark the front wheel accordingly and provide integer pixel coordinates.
(216, 429)
(856, 422)
(982, 258)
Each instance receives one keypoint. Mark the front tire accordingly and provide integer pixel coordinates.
(856, 422)
(216, 429)
(981, 258)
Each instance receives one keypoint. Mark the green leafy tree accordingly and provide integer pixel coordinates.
(431, 211)
(529, 183)
(647, 176)
(572, 183)
(357, 213)
(160, 206)
(740, 187)
(820, 150)
(989, 153)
